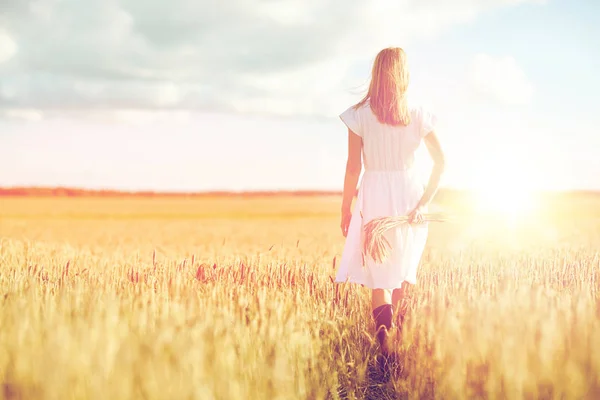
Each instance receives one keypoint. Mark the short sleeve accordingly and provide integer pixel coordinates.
(351, 118)
(428, 122)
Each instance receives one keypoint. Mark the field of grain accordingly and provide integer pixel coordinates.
(232, 298)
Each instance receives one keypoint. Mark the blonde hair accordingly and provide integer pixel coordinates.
(387, 90)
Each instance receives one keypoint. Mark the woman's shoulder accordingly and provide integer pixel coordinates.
(360, 106)
(363, 109)
(358, 110)
(421, 112)
(417, 109)
(423, 118)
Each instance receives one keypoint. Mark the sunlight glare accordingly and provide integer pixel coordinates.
(506, 201)
(508, 196)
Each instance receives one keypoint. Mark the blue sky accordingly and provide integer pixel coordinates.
(197, 96)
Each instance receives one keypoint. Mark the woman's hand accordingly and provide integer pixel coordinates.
(346, 217)
(416, 215)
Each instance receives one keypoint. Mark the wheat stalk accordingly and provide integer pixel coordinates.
(375, 244)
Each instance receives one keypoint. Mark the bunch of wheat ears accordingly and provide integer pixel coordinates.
(376, 245)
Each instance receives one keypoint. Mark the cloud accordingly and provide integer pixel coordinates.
(8, 48)
(272, 56)
(21, 114)
(500, 79)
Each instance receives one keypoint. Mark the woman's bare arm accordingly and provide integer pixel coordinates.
(439, 163)
(353, 169)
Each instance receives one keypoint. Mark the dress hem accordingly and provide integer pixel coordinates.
(358, 282)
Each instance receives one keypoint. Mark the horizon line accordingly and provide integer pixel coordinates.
(71, 191)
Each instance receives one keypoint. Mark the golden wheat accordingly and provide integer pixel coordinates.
(233, 299)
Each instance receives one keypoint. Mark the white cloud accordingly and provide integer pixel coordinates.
(501, 79)
(8, 47)
(270, 56)
(23, 114)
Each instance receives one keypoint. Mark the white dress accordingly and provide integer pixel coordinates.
(390, 186)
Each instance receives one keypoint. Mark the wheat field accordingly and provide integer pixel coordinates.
(232, 298)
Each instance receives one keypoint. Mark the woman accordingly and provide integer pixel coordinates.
(387, 131)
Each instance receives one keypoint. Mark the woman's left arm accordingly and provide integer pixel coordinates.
(353, 170)
(439, 163)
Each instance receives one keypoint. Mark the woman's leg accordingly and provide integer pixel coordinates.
(381, 297)
(400, 301)
(383, 312)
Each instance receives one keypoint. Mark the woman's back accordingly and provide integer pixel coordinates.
(387, 147)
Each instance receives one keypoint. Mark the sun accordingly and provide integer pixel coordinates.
(505, 195)
(506, 201)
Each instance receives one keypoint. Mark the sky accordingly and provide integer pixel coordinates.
(194, 95)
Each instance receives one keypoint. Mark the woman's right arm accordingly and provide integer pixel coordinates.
(437, 155)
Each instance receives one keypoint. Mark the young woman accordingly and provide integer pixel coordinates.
(387, 131)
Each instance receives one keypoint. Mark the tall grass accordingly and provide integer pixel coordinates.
(161, 299)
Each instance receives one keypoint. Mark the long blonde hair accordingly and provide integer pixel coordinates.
(387, 90)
